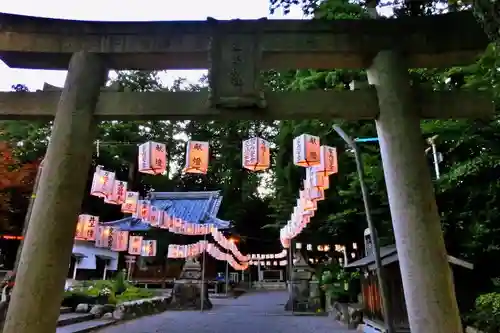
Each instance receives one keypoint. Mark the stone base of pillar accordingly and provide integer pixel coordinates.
(186, 295)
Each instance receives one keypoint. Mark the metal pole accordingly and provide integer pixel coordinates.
(227, 274)
(435, 156)
(389, 322)
(203, 276)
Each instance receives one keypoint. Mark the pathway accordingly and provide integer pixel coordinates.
(251, 313)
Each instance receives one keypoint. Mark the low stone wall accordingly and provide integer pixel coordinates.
(127, 310)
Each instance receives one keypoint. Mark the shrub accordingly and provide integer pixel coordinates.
(120, 284)
(132, 294)
(486, 314)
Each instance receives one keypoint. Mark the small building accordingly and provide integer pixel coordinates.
(200, 207)
(372, 308)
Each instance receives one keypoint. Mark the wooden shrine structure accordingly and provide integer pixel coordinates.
(372, 307)
(235, 52)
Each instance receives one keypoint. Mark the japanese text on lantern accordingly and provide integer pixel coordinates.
(102, 183)
(90, 227)
(328, 160)
(130, 204)
(117, 195)
(102, 236)
(143, 209)
(135, 245)
(306, 150)
(155, 216)
(152, 158)
(120, 241)
(197, 157)
(256, 155)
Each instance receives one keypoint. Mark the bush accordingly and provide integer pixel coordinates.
(132, 294)
(486, 314)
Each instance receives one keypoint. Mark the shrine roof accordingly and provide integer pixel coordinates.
(389, 255)
(192, 207)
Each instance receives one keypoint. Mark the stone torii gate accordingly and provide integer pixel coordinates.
(235, 52)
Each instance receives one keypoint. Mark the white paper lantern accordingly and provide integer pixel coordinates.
(90, 227)
(118, 193)
(328, 160)
(148, 248)
(102, 183)
(256, 154)
(152, 158)
(306, 149)
(197, 154)
(155, 216)
(135, 245)
(120, 241)
(143, 208)
(104, 237)
(130, 204)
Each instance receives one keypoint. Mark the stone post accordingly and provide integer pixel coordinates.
(428, 286)
(46, 252)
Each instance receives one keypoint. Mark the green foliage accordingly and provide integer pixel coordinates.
(132, 294)
(486, 315)
(120, 284)
(336, 282)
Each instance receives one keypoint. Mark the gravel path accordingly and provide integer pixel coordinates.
(252, 313)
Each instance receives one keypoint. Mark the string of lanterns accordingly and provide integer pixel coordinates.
(280, 255)
(195, 249)
(320, 162)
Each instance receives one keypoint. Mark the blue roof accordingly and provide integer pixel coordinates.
(192, 207)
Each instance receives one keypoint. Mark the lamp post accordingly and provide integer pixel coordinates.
(435, 157)
(374, 238)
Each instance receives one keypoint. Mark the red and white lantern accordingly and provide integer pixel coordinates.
(130, 204)
(316, 178)
(155, 216)
(152, 158)
(102, 183)
(148, 248)
(306, 150)
(120, 241)
(256, 155)
(118, 194)
(143, 208)
(328, 161)
(90, 227)
(197, 157)
(80, 225)
(135, 245)
(104, 237)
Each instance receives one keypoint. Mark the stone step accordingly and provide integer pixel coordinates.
(65, 309)
(86, 326)
(73, 318)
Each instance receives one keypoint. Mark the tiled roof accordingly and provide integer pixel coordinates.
(192, 207)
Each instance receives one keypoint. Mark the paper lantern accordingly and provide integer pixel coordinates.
(118, 193)
(155, 216)
(196, 157)
(90, 227)
(152, 158)
(148, 248)
(102, 183)
(316, 194)
(306, 150)
(316, 178)
(143, 207)
(328, 161)
(120, 241)
(135, 245)
(104, 237)
(80, 225)
(130, 204)
(256, 154)
(309, 247)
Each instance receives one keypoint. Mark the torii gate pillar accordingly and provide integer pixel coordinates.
(427, 281)
(46, 253)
